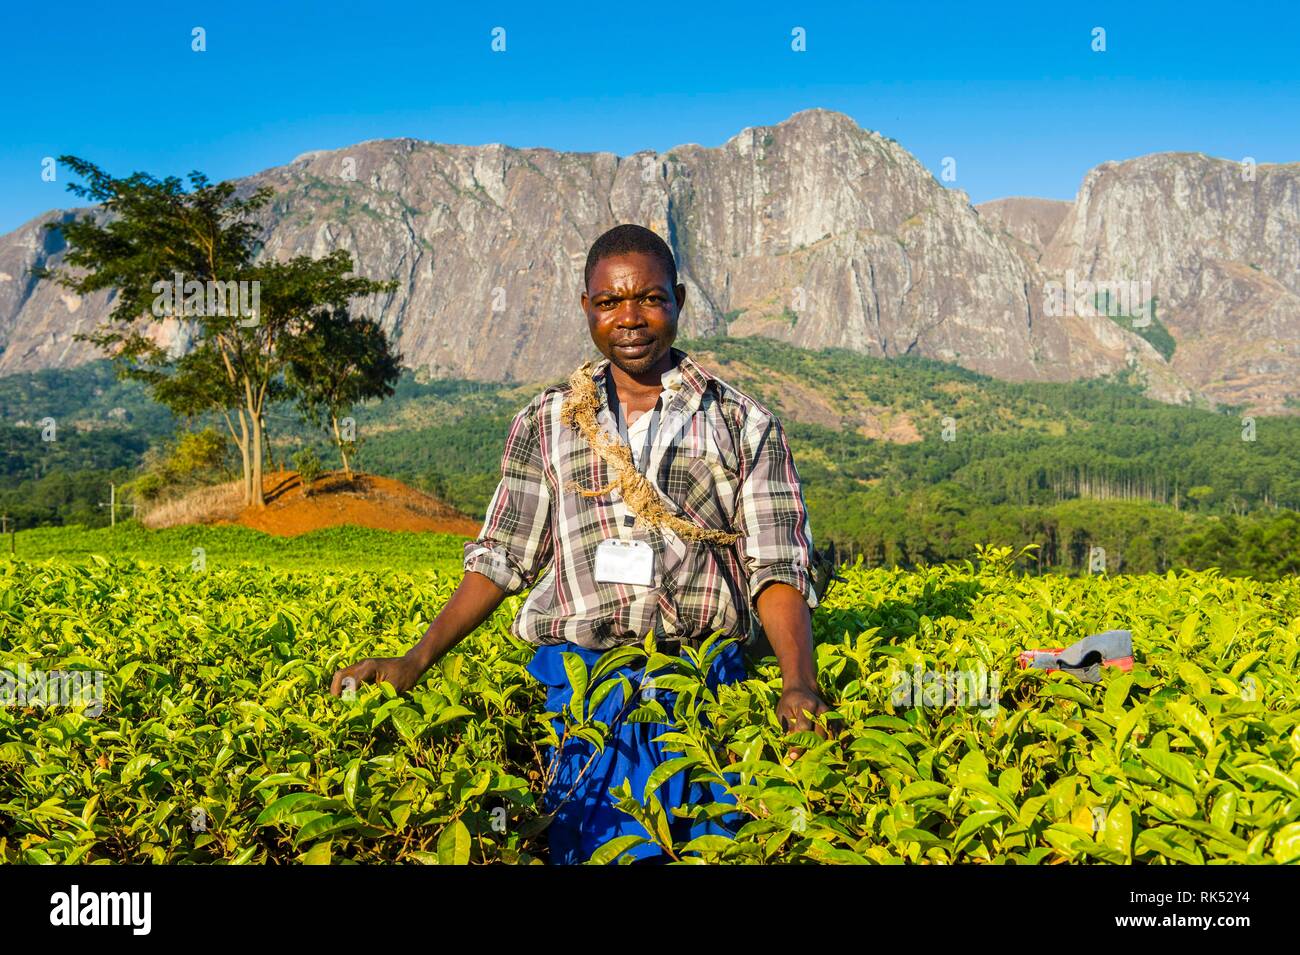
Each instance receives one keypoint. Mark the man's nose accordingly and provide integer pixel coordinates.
(629, 313)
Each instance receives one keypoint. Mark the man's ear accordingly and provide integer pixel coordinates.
(680, 293)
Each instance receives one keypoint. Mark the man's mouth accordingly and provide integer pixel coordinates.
(635, 348)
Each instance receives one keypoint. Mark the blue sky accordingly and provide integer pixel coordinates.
(1016, 95)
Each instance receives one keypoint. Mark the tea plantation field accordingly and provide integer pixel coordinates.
(218, 743)
(226, 546)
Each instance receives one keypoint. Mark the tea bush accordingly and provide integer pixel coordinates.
(218, 743)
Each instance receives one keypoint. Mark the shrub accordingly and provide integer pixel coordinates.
(193, 459)
(309, 467)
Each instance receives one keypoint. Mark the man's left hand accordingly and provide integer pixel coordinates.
(794, 703)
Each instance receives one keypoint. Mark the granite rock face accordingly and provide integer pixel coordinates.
(1031, 222)
(814, 231)
(1219, 243)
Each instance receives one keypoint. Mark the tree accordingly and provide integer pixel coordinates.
(339, 361)
(189, 258)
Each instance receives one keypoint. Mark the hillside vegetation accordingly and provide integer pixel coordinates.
(229, 547)
(904, 460)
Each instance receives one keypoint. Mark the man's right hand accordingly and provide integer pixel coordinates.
(473, 601)
(401, 672)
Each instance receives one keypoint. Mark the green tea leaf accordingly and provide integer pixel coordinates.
(1117, 830)
(1196, 722)
(576, 670)
(973, 823)
(1286, 844)
(454, 844)
(665, 771)
(922, 789)
(287, 809)
(1170, 765)
(611, 850)
(1272, 776)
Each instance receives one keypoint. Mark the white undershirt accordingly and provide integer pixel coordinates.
(636, 435)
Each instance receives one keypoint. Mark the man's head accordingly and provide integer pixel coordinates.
(632, 298)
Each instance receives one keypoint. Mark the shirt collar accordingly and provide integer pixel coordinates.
(685, 386)
(686, 381)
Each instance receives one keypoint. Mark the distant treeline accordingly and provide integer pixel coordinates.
(934, 525)
(1089, 471)
(100, 431)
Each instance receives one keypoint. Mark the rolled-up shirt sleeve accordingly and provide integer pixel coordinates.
(772, 517)
(515, 543)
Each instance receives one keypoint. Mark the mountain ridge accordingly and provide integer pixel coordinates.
(813, 231)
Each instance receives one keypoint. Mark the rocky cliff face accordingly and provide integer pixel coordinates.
(1030, 222)
(814, 231)
(1219, 244)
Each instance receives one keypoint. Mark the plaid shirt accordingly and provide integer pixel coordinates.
(719, 459)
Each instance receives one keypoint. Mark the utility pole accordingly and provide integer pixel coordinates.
(111, 505)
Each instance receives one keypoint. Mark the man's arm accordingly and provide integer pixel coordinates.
(788, 625)
(776, 548)
(513, 546)
(475, 599)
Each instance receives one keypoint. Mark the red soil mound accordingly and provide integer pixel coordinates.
(366, 501)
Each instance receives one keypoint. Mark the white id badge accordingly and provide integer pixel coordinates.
(625, 562)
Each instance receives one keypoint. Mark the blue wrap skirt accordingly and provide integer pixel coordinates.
(586, 815)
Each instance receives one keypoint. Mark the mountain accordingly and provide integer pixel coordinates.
(1219, 242)
(1031, 222)
(813, 231)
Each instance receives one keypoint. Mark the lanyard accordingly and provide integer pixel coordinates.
(622, 424)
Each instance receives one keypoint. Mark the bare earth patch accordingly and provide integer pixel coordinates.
(366, 501)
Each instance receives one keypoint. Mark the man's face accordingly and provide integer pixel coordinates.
(632, 311)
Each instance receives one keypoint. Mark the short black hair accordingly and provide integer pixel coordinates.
(626, 238)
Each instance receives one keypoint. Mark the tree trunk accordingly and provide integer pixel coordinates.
(241, 439)
(270, 451)
(338, 440)
(257, 497)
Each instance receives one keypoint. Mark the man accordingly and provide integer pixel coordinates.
(661, 498)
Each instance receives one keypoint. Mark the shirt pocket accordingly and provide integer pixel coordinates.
(700, 485)
(710, 441)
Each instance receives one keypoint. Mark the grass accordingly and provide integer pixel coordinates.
(217, 502)
(336, 549)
